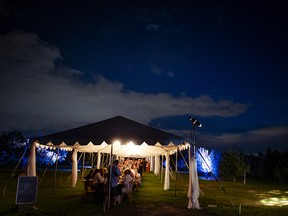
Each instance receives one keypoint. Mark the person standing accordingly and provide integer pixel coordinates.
(115, 189)
(140, 167)
(144, 164)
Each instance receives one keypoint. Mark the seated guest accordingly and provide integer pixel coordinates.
(88, 179)
(89, 175)
(133, 170)
(135, 174)
(138, 179)
(97, 178)
(105, 174)
(127, 182)
(99, 184)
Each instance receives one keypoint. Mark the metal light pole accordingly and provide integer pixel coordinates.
(193, 191)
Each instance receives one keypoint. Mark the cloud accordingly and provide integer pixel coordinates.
(156, 20)
(254, 140)
(275, 138)
(152, 27)
(39, 95)
(159, 71)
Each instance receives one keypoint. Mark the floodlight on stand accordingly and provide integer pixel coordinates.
(195, 122)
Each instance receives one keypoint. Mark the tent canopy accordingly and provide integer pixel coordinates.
(127, 138)
(115, 136)
(116, 128)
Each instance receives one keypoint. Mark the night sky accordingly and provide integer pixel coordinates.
(66, 64)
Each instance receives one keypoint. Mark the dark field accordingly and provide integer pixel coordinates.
(255, 198)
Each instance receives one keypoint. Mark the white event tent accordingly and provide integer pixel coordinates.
(124, 138)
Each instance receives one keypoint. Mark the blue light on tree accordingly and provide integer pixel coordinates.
(49, 157)
(207, 162)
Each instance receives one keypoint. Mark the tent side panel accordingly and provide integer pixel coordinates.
(74, 169)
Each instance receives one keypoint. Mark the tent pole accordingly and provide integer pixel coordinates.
(161, 176)
(184, 159)
(83, 163)
(19, 160)
(80, 157)
(56, 167)
(106, 161)
(160, 159)
(176, 170)
(92, 160)
(47, 167)
(110, 176)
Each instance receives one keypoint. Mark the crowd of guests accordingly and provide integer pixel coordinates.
(126, 175)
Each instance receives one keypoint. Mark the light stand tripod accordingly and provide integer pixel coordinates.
(193, 190)
(195, 122)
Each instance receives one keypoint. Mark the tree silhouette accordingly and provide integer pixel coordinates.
(12, 145)
(230, 165)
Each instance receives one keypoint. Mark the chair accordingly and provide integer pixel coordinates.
(89, 192)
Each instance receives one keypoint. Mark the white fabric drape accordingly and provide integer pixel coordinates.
(74, 169)
(151, 164)
(31, 169)
(193, 190)
(98, 159)
(167, 174)
(157, 165)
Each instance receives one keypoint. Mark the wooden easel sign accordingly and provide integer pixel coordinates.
(27, 188)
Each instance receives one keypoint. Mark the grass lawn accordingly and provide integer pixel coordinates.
(149, 199)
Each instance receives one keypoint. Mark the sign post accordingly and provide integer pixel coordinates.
(27, 188)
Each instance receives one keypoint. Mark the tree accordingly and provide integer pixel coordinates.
(281, 169)
(12, 146)
(207, 162)
(267, 164)
(48, 157)
(230, 165)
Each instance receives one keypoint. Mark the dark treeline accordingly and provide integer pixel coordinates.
(13, 145)
(271, 165)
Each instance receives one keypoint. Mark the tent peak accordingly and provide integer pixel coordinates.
(109, 130)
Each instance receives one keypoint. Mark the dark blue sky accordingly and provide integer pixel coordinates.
(66, 64)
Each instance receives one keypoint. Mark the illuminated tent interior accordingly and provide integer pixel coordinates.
(116, 136)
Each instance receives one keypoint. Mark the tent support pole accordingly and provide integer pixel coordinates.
(176, 170)
(161, 176)
(19, 160)
(80, 157)
(56, 167)
(106, 161)
(184, 159)
(110, 177)
(46, 168)
(160, 160)
(83, 163)
(92, 163)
